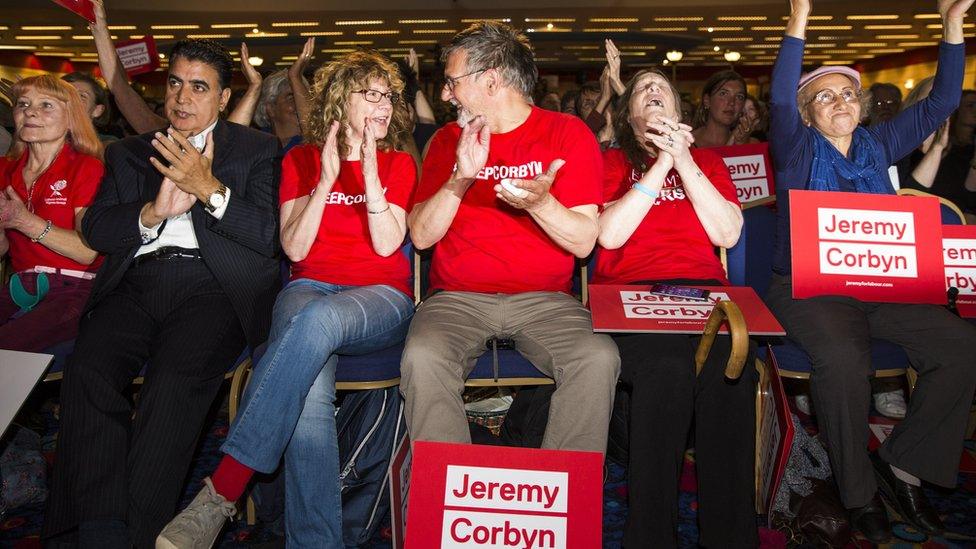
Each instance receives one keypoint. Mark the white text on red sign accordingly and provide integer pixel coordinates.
(749, 175)
(134, 55)
(959, 255)
(648, 305)
(509, 489)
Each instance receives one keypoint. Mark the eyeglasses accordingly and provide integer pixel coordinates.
(375, 96)
(450, 82)
(827, 97)
(883, 102)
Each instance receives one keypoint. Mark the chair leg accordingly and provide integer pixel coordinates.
(237, 385)
(252, 513)
(760, 409)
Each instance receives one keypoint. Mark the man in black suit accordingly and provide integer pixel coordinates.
(187, 220)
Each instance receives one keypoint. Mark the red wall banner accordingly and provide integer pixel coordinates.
(623, 308)
(751, 170)
(959, 255)
(882, 248)
(462, 495)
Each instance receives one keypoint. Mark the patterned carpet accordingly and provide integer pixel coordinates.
(19, 527)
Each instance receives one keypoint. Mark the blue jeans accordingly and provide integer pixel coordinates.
(289, 404)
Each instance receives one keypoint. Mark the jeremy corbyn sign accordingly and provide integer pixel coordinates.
(959, 254)
(882, 248)
(493, 497)
(751, 170)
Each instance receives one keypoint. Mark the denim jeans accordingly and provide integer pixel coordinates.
(289, 408)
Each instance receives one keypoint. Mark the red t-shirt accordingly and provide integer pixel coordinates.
(343, 252)
(490, 246)
(70, 182)
(670, 241)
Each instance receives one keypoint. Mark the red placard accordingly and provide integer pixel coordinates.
(751, 170)
(959, 256)
(774, 436)
(399, 490)
(84, 8)
(498, 497)
(883, 248)
(138, 56)
(622, 308)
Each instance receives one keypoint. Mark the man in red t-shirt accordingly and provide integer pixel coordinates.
(509, 194)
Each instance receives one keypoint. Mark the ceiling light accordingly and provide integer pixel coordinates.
(887, 50)
(927, 16)
(732, 56)
(664, 29)
(337, 50)
(871, 17)
(732, 39)
(829, 27)
(255, 61)
(866, 44)
(164, 36)
(122, 27)
(769, 28)
(674, 56)
(208, 36)
(416, 41)
(613, 20)
(607, 29)
(742, 18)
(10, 47)
(550, 20)
(45, 27)
(353, 43)
(896, 36)
(716, 48)
(721, 29)
(266, 34)
(38, 37)
(917, 44)
(909, 84)
(678, 19)
(422, 21)
(321, 33)
(360, 22)
(174, 27)
(234, 25)
(887, 27)
(54, 54)
(382, 32)
(296, 24)
(502, 20)
(581, 47)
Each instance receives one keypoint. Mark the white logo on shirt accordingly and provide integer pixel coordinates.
(338, 197)
(56, 198)
(523, 171)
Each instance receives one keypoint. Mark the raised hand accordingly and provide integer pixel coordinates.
(413, 62)
(101, 21)
(472, 147)
(534, 192)
(171, 201)
(954, 9)
(671, 137)
(368, 154)
(613, 64)
(330, 157)
(298, 67)
(188, 168)
(250, 73)
(801, 7)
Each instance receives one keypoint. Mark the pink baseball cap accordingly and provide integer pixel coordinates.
(830, 69)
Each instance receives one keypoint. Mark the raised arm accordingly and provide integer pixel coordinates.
(425, 114)
(131, 104)
(786, 128)
(299, 87)
(244, 111)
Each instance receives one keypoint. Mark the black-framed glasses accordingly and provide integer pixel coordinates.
(828, 97)
(450, 82)
(375, 96)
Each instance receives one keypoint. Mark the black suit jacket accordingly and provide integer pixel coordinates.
(241, 248)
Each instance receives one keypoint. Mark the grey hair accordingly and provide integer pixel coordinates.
(806, 94)
(274, 84)
(495, 45)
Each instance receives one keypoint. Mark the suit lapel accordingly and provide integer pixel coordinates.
(152, 179)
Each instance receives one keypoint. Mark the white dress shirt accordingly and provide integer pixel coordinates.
(179, 229)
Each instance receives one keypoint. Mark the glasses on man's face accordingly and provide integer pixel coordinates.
(451, 81)
(885, 102)
(828, 97)
(375, 96)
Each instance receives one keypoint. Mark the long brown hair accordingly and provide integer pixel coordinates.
(715, 82)
(81, 134)
(631, 148)
(333, 85)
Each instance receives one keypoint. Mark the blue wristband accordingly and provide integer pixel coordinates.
(651, 193)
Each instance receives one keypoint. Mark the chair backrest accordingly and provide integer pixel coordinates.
(750, 261)
(951, 214)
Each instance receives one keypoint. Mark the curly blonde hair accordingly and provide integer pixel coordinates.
(336, 81)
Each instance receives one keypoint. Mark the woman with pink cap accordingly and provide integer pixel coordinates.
(817, 144)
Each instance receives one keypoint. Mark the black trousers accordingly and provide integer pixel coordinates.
(836, 331)
(111, 463)
(666, 398)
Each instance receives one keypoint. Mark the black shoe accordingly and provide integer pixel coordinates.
(871, 520)
(908, 500)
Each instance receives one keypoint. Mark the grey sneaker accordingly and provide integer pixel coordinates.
(197, 526)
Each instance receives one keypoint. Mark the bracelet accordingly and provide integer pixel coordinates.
(379, 212)
(649, 192)
(47, 229)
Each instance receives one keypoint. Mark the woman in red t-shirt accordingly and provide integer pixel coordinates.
(667, 207)
(343, 198)
(47, 180)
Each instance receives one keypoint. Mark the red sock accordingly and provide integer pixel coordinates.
(230, 478)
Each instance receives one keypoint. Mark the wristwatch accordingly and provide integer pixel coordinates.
(216, 198)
